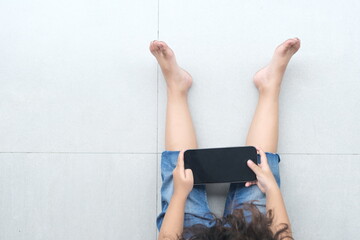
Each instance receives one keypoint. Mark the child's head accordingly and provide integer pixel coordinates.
(235, 227)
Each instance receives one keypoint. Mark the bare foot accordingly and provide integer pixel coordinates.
(270, 77)
(177, 79)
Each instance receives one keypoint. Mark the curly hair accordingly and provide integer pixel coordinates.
(238, 228)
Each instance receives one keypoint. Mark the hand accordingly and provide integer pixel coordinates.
(264, 176)
(183, 178)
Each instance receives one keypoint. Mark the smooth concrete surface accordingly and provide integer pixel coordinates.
(322, 195)
(73, 75)
(223, 45)
(83, 103)
(77, 196)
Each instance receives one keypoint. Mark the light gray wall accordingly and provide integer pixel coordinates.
(82, 106)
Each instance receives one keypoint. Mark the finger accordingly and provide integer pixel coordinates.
(263, 158)
(180, 162)
(256, 169)
(248, 184)
(189, 175)
(258, 149)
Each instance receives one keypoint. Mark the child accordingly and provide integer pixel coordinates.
(263, 215)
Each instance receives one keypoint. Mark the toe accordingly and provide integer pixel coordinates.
(289, 46)
(153, 47)
(294, 45)
(290, 42)
(163, 48)
(157, 47)
(160, 46)
(296, 41)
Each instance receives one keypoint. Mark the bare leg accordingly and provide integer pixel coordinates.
(264, 128)
(179, 130)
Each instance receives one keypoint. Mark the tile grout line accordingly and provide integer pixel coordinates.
(157, 122)
(26, 152)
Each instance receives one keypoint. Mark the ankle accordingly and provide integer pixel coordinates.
(270, 92)
(176, 93)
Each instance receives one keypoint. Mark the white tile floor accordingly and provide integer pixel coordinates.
(83, 109)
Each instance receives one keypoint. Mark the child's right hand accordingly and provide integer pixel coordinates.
(183, 178)
(265, 179)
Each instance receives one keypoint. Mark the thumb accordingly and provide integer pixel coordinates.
(188, 174)
(256, 169)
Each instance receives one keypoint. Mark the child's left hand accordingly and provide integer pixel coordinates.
(183, 178)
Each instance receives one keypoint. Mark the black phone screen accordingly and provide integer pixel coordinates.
(221, 165)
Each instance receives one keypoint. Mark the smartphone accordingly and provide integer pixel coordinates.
(221, 165)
